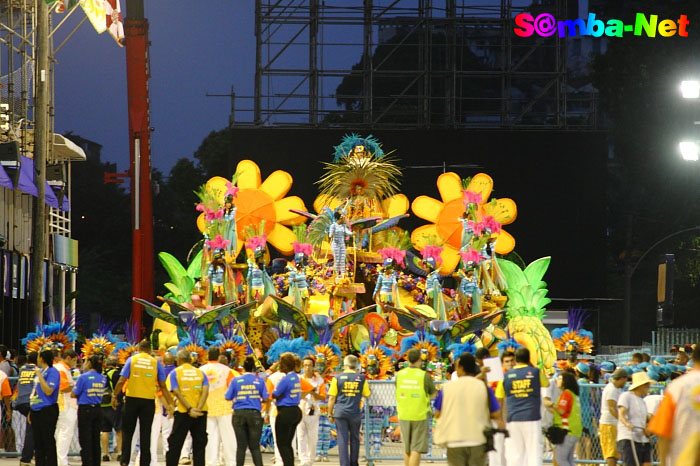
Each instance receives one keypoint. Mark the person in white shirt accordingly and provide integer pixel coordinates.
(632, 433)
(609, 415)
(307, 430)
(68, 407)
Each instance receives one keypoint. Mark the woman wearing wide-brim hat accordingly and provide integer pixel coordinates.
(632, 433)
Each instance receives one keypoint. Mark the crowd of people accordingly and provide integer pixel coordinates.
(210, 414)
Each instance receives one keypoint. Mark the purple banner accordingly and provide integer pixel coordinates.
(50, 197)
(5, 180)
(25, 181)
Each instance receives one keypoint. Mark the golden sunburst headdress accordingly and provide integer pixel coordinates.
(573, 338)
(102, 343)
(229, 342)
(376, 359)
(125, 349)
(327, 358)
(53, 335)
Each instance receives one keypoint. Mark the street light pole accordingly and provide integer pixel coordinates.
(41, 146)
(629, 271)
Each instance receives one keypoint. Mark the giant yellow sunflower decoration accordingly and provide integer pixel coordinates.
(444, 217)
(261, 203)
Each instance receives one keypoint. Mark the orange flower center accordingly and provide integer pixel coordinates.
(252, 207)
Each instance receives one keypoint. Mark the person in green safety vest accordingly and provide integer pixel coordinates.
(414, 388)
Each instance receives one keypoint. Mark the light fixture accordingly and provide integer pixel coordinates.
(689, 150)
(690, 89)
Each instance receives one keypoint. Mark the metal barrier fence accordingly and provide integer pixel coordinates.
(381, 439)
(663, 338)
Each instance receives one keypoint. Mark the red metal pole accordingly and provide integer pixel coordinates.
(137, 74)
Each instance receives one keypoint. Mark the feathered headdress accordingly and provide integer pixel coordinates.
(458, 349)
(425, 342)
(256, 243)
(377, 179)
(194, 343)
(331, 353)
(395, 254)
(53, 335)
(298, 346)
(349, 141)
(102, 343)
(125, 349)
(574, 337)
(229, 342)
(378, 355)
(509, 344)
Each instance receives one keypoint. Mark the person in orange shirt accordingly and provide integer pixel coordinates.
(6, 393)
(677, 420)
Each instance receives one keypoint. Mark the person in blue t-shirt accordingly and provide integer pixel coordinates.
(288, 395)
(248, 393)
(89, 389)
(43, 403)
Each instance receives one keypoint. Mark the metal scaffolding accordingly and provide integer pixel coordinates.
(410, 63)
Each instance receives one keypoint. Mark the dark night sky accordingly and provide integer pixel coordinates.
(193, 51)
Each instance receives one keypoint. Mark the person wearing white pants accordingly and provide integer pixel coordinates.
(219, 417)
(307, 430)
(161, 428)
(271, 383)
(521, 389)
(68, 407)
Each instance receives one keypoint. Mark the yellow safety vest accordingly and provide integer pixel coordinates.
(190, 382)
(143, 377)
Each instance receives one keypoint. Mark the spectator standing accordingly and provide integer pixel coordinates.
(88, 390)
(25, 385)
(219, 425)
(248, 393)
(44, 409)
(632, 433)
(162, 419)
(609, 416)
(345, 398)
(5, 365)
(191, 388)
(464, 409)
(109, 414)
(677, 421)
(307, 431)
(145, 374)
(288, 395)
(521, 390)
(414, 387)
(67, 406)
(567, 415)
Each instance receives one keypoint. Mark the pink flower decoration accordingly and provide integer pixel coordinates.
(432, 251)
(477, 228)
(218, 242)
(492, 224)
(231, 190)
(470, 197)
(471, 255)
(304, 248)
(200, 207)
(211, 215)
(255, 242)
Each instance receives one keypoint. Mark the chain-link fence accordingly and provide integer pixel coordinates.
(382, 439)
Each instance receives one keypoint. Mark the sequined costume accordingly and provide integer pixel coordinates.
(433, 288)
(298, 286)
(231, 233)
(338, 232)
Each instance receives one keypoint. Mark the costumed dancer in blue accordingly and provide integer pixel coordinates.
(298, 286)
(339, 232)
(230, 217)
(433, 287)
(260, 284)
(386, 290)
(468, 291)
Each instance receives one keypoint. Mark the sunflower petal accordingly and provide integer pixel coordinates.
(395, 205)
(503, 210)
(282, 238)
(427, 208)
(278, 184)
(325, 201)
(450, 186)
(248, 174)
(481, 183)
(421, 236)
(450, 259)
(217, 187)
(505, 242)
(284, 216)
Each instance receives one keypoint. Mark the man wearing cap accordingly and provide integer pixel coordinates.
(677, 421)
(609, 416)
(632, 433)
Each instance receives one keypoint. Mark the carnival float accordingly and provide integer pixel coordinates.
(348, 277)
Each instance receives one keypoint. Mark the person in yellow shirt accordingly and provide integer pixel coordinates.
(191, 388)
(145, 375)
